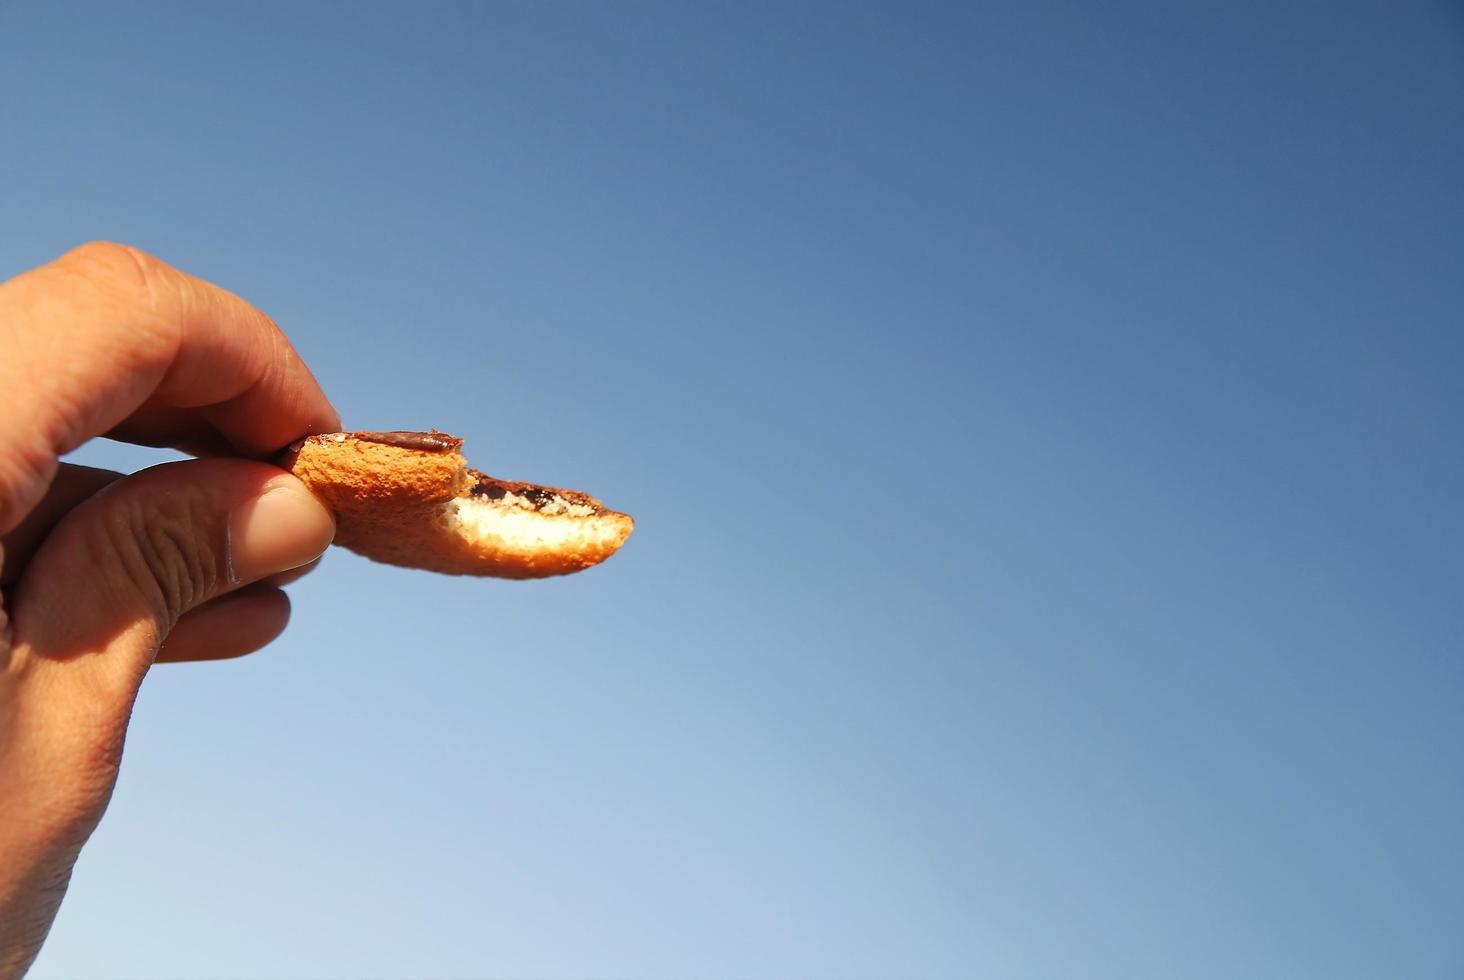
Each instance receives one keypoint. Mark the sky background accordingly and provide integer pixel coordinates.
(1044, 426)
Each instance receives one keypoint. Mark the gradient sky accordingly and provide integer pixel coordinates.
(1044, 424)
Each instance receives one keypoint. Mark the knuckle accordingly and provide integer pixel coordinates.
(114, 264)
(102, 279)
(122, 274)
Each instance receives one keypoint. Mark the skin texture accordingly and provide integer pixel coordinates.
(101, 574)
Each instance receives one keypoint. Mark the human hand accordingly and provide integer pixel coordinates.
(102, 574)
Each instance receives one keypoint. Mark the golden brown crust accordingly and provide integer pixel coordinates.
(351, 473)
(409, 499)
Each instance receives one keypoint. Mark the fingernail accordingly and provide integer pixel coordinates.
(282, 529)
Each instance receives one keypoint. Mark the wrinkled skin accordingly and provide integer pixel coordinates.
(101, 574)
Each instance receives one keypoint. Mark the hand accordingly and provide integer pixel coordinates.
(103, 574)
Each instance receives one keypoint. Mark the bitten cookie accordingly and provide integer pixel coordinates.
(409, 498)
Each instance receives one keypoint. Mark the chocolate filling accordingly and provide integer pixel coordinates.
(539, 497)
(432, 442)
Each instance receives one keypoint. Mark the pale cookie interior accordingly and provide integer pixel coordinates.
(518, 528)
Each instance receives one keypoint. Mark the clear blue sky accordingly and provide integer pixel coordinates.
(1044, 423)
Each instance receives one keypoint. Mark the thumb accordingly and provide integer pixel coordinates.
(90, 611)
(111, 580)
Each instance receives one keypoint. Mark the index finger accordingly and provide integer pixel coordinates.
(105, 330)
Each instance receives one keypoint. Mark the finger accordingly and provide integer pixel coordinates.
(172, 428)
(87, 617)
(293, 575)
(72, 485)
(229, 626)
(4, 618)
(122, 569)
(106, 330)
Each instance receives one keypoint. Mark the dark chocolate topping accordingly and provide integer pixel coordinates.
(433, 442)
(537, 496)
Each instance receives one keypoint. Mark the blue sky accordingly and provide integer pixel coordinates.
(1043, 424)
